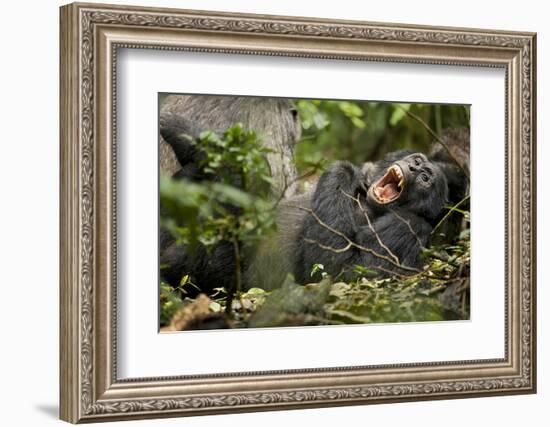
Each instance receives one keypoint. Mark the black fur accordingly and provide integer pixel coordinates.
(180, 133)
(207, 270)
(457, 141)
(456, 168)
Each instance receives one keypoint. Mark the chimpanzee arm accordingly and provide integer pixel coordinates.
(399, 237)
(332, 200)
(317, 241)
(179, 133)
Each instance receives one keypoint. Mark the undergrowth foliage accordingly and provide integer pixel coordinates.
(439, 292)
(231, 206)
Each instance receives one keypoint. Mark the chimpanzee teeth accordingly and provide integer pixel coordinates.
(397, 171)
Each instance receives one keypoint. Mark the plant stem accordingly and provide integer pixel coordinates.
(237, 286)
(451, 210)
(238, 267)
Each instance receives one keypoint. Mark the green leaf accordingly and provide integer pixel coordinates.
(315, 268)
(399, 112)
(256, 291)
(215, 306)
(358, 123)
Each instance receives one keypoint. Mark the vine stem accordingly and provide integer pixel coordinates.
(451, 210)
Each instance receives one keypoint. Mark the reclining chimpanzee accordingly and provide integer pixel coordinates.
(378, 217)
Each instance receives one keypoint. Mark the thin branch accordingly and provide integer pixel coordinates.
(352, 243)
(437, 138)
(393, 273)
(436, 289)
(328, 248)
(371, 227)
(451, 210)
(408, 224)
(452, 263)
(464, 285)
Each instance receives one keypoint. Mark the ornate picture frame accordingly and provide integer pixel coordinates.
(90, 37)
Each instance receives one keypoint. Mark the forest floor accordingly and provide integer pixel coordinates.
(440, 292)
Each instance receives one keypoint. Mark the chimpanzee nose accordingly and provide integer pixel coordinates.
(412, 168)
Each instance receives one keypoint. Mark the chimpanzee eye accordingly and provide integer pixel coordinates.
(425, 177)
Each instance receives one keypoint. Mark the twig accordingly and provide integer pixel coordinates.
(328, 248)
(451, 210)
(371, 227)
(436, 289)
(393, 273)
(408, 225)
(464, 285)
(438, 139)
(352, 243)
(448, 261)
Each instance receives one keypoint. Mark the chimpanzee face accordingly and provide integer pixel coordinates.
(412, 182)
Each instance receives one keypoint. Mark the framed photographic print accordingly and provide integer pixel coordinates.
(265, 212)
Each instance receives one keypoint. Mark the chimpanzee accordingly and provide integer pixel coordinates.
(182, 119)
(378, 217)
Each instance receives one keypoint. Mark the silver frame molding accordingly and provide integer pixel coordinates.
(90, 37)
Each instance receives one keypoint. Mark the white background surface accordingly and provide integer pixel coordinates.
(29, 170)
(141, 346)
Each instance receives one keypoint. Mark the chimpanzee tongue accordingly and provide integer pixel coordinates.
(389, 191)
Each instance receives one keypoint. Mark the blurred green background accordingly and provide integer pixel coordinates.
(361, 131)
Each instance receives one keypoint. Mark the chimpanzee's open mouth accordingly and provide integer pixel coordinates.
(389, 187)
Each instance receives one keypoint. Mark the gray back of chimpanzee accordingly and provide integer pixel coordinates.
(274, 120)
